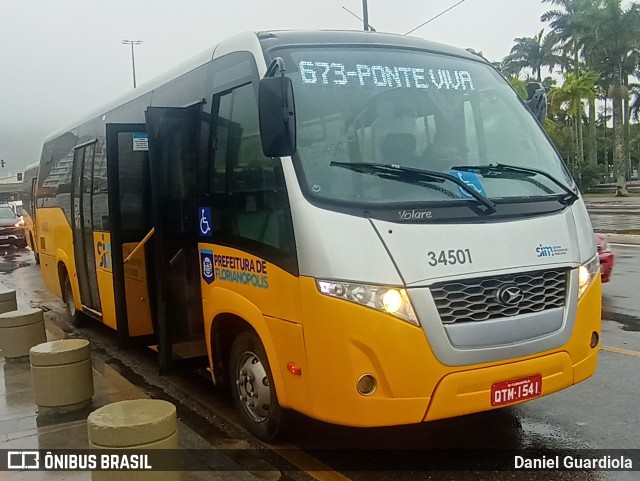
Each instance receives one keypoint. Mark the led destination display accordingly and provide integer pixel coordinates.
(337, 73)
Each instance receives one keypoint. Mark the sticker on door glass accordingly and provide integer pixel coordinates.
(140, 142)
(204, 219)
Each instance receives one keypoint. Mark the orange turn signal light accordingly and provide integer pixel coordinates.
(294, 369)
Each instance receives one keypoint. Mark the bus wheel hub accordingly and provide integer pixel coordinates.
(253, 387)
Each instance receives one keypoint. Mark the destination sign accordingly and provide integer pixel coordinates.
(336, 73)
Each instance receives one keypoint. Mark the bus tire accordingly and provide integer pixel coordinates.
(73, 315)
(36, 256)
(252, 388)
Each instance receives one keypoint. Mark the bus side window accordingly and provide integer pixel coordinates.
(250, 201)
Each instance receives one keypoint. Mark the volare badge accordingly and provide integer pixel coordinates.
(206, 264)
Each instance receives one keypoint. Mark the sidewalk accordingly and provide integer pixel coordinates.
(23, 427)
(617, 218)
(612, 204)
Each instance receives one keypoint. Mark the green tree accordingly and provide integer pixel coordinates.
(531, 52)
(569, 25)
(569, 97)
(615, 30)
(571, 28)
(519, 86)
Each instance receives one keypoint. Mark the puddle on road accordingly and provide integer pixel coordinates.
(539, 434)
(629, 323)
(13, 259)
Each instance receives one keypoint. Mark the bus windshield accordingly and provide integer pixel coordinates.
(411, 109)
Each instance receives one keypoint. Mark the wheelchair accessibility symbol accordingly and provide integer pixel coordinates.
(205, 221)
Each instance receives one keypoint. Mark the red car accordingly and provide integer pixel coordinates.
(606, 258)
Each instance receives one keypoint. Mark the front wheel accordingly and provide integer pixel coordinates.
(73, 316)
(252, 388)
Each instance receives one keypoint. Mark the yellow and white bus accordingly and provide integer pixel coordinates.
(28, 208)
(369, 229)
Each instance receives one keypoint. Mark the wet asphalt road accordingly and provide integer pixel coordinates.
(600, 413)
(606, 222)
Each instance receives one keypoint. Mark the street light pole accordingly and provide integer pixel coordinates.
(133, 58)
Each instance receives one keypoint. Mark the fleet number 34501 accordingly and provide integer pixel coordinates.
(449, 257)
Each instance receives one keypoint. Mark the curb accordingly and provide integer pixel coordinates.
(622, 238)
(612, 211)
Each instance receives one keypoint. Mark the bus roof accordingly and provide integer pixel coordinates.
(268, 40)
(32, 167)
(277, 38)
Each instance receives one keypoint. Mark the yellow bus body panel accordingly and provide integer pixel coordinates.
(470, 391)
(239, 292)
(361, 341)
(104, 274)
(135, 279)
(334, 342)
(30, 231)
(55, 247)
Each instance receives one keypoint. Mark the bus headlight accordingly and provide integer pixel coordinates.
(391, 300)
(587, 272)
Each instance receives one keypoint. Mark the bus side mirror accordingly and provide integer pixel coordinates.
(277, 116)
(537, 101)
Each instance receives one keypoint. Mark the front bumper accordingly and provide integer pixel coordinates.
(343, 341)
(12, 235)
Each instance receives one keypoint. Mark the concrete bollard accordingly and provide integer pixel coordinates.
(21, 330)
(61, 374)
(137, 424)
(7, 300)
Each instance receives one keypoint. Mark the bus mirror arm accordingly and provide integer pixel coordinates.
(276, 66)
(277, 112)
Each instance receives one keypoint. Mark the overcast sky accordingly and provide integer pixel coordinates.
(61, 59)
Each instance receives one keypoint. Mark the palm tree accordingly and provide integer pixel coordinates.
(569, 97)
(568, 25)
(571, 28)
(618, 45)
(532, 52)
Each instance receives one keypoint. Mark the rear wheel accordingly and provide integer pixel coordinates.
(73, 315)
(252, 388)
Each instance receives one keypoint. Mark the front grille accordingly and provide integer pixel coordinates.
(476, 299)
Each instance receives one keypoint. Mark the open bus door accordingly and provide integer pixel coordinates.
(173, 151)
(129, 226)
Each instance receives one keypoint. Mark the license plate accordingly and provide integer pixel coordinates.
(509, 392)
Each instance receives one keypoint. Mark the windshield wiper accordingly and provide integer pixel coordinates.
(410, 175)
(500, 168)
